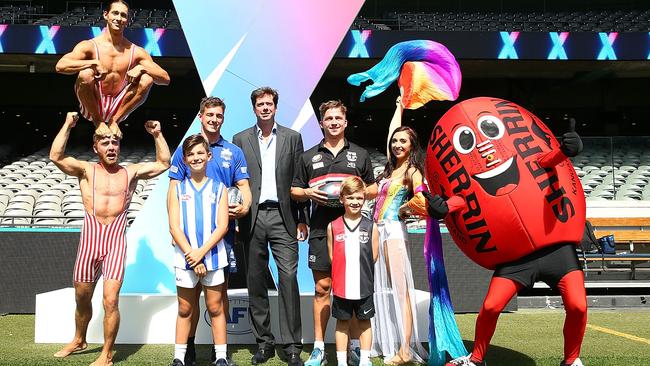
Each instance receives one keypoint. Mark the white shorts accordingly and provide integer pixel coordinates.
(391, 230)
(186, 278)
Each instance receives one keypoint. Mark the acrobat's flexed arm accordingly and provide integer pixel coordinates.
(80, 58)
(146, 65)
(570, 146)
(68, 164)
(153, 169)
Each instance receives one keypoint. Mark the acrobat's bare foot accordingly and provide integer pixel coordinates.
(102, 129)
(71, 347)
(115, 130)
(103, 360)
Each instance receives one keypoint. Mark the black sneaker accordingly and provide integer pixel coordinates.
(294, 360)
(262, 355)
(177, 362)
(213, 358)
(220, 362)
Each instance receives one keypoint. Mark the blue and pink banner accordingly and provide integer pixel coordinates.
(238, 46)
(34, 39)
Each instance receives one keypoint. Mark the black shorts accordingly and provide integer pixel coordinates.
(363, 309)
(548, 265)
(319, 258)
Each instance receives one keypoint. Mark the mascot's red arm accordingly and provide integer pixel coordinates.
(570, 147)
(456, 203)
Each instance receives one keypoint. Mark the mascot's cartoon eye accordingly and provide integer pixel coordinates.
(464, 140)
(491, 127)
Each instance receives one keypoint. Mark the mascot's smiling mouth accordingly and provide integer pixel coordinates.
(500, 180)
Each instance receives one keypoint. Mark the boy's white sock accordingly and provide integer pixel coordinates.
(320, 345)
(220, 350)
(365, 356)
(179, 351)
(342, 358)
(355, 344)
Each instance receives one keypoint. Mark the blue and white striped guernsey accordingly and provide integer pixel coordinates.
(198, 220)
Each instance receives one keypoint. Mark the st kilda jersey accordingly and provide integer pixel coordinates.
(352, 263)
(318, 164)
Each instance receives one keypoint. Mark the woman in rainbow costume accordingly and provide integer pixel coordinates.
(395, 333)
(426, 71)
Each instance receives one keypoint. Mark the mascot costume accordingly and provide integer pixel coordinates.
(512, 202)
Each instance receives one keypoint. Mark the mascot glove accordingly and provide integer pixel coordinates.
(436, 206)
(571, 144)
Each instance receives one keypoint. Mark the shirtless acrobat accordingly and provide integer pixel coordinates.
(106, 190)
(115, 75)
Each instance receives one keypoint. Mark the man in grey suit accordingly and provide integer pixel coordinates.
(271, 153)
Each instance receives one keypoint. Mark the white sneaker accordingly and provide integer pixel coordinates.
(577, 362)
(464, 361)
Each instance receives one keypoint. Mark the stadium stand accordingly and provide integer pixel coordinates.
(614, 175)
(139, 18)
(576, 21)
(86, 16)
(34, 192)
(20, 14)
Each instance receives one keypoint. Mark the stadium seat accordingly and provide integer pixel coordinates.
(596, 198)
(15, 219)
(14, 176)
(20, 198)
(48, 212)
(71, 204)
(70, 207)
(135, 206)
(45, 221)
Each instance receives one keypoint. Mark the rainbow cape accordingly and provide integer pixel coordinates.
(426, 71)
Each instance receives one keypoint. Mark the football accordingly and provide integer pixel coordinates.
(234, 196)
(332, 189)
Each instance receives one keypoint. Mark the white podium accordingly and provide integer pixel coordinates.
(151, 319)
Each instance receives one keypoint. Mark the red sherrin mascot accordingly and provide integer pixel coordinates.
(512, 202)
(511, 189)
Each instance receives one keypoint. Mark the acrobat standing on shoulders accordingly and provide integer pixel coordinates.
(114, 75)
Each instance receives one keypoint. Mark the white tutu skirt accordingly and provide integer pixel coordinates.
(393, 286)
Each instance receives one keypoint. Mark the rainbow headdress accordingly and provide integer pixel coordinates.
(426, 70)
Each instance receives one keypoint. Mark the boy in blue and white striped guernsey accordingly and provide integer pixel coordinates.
(198, 221)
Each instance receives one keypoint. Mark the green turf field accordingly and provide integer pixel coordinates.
(524, 338)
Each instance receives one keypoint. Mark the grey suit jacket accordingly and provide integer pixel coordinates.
(288, 150)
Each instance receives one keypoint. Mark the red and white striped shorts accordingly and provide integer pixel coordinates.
(103, 245)
(107, 104)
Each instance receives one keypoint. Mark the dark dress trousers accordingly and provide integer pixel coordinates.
(275, 226)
